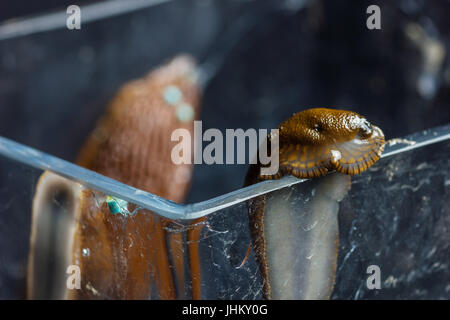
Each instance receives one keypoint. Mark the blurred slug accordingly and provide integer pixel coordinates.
(295, 238)
(121, 255)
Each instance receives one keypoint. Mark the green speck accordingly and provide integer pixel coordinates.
(116, 206)
(113, 207)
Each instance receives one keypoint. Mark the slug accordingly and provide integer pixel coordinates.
(312, 143)
(122, 255)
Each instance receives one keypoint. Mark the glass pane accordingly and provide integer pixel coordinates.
(395, 216)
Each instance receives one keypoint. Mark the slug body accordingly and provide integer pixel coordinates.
(312, 143)
(123, 255)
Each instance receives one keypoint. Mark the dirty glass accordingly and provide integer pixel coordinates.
(395, 217)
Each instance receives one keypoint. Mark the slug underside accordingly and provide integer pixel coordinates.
(55, 210)
(302, 238)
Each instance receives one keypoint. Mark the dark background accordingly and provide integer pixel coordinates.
(279, 57)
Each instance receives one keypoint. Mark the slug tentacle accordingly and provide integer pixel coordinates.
(320, 140)
(312, 143)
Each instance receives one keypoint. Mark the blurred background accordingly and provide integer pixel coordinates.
(268, 60)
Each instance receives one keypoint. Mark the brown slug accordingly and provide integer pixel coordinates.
(123, 256)
(312, 143)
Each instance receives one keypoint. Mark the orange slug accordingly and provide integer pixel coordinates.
(126, 256)
(312, 143)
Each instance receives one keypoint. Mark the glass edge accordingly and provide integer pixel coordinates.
(172, 210)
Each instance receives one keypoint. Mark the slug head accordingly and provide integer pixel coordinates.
(315, 141)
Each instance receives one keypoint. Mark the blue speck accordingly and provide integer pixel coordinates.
(185, 112)
(172, 95)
